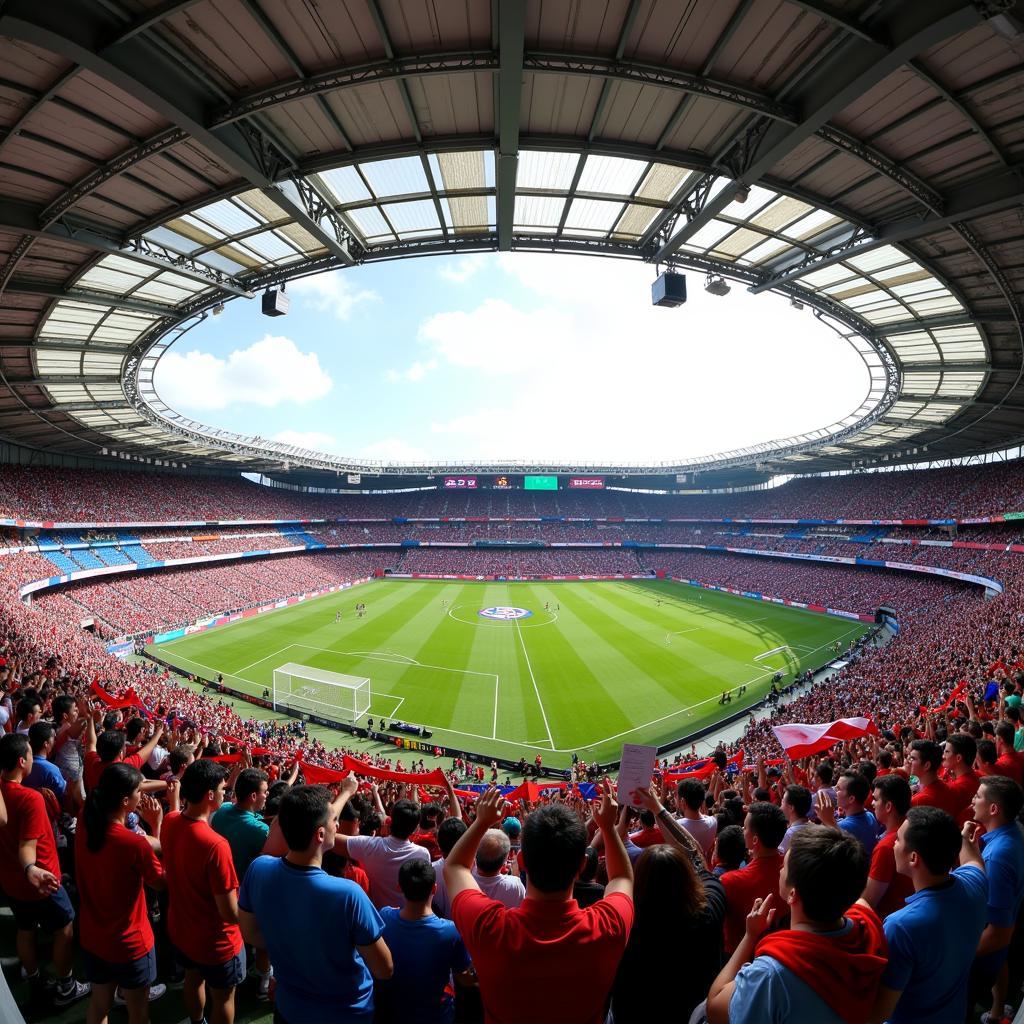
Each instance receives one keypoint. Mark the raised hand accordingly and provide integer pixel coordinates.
(607, 809)
(490, 808)
(759, 920)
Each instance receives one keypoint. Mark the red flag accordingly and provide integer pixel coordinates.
(802, 740)
(958, 691)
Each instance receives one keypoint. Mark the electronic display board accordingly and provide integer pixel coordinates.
(540, 483)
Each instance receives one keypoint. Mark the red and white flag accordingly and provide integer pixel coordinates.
(801, 740)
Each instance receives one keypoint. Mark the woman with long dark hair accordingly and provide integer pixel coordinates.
(679, 907)
(113, 864)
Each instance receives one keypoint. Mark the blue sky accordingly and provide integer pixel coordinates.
(513, 355)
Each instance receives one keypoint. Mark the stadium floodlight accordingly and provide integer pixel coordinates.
(716, 285)
(331, 695)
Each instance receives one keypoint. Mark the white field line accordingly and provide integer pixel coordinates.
(494, 724)
(768, 654)
(266, 658)
(536, 690)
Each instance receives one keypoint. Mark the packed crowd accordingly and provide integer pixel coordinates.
(530, 562)
(93, 496)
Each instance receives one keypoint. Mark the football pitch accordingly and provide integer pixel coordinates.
(520, 669)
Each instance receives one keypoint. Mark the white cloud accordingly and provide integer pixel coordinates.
(460, 269)
(416, 372)
(313, 439)
(394, 449)
(267, 373)
(334, 292)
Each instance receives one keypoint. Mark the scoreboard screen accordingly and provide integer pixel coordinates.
(540, 483)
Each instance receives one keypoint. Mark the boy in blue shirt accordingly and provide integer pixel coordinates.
(426, 950)
(932, 940)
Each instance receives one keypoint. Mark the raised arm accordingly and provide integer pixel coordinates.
(620, 870)
(458, 865)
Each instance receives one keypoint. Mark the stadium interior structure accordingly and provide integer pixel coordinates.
(160, 158)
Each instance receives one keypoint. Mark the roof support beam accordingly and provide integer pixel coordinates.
(934, 323)
(25, 218)
(511, 40)
(25, 286)
(79, 31)
(977, 198)
(854, 67)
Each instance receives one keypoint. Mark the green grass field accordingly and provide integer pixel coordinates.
(607, 663)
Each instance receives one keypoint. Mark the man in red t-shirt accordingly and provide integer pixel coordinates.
(763, 829)
(30, 874)
(887, 890)
(545, 961)
(1008, 763)
(958, 756)
(108, 748)
(202, 888)
(924, 761)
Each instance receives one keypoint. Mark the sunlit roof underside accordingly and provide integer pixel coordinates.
(218, 146)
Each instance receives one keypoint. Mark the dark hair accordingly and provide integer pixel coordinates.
(61, 707)
(646, 818)
(666, 891)
(932, 833)
(591, 862)
(274, 796)
(1004, 732)
(177, 759)
(133, 727)
(1002, 790)
(828, 868)
(731, 847)
(248, 782)
(987, 752)
(303, 810)
(895, 790)
(768, 823)
(885, 758)
(692, 792)
(824, 772)
(39, 734)
(868, 770)
(448, 833)
(200, 778)
(13, 747)
(799, 798)
(430, 815)
(856, 786)
(963, 745)
(370, 823)
(405, 818)
(117, 782)
(930, 751)
(26, 706)
(110, 744)
(416, 879)
(553, 843)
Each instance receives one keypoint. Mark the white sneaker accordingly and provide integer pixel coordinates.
(263, 993)
(155, 992)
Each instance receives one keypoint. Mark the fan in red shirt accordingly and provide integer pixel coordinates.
(887, 890)
(202, 886)
(763, 829)
(113, 864)
(1008, 762)
(30, 874)
(958, 756)
(108, 748)
(547, 945)
(924, 761)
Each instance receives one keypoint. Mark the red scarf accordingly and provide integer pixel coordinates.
(843, 970)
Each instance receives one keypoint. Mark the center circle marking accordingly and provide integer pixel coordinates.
(504, 613)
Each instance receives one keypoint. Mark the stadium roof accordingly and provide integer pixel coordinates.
(864, 157)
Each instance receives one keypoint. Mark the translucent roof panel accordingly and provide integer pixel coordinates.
(370, 224)
(538, 212)
(553, 171)
(400, 177)
(345, 185)
(592, 215)
(611, 175)
(420, 215)
(461, 171)
(662, 182)
(227, 217)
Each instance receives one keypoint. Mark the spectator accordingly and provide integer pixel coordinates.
(44, 774)
(796, 806)
(649, 834)
(701, 826)
(675, 896)
(426, 834)
(323, 935)
(586, 890)
(108, 748)
(112, 866)
(382, 856)
(997, 806)
(448, 833)
(730, 850)
(763, 829)
(924, 761)
(70, 723)
(568, 954)
(1007, 761)
(30, 876)
(852, 792)
(240, 822)
(887, 889)
(958, 757)
(491, 858)
(427, 952)
(202, 920)
(826, 967)
(925, 981)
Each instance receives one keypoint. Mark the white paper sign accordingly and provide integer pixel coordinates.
(636, 770)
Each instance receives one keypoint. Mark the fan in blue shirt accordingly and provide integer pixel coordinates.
(926, 979)
(852, 791)
(323, 934)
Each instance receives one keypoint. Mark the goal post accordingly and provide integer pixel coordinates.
(319, 692)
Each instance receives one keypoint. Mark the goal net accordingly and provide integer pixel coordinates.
(319, 692)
